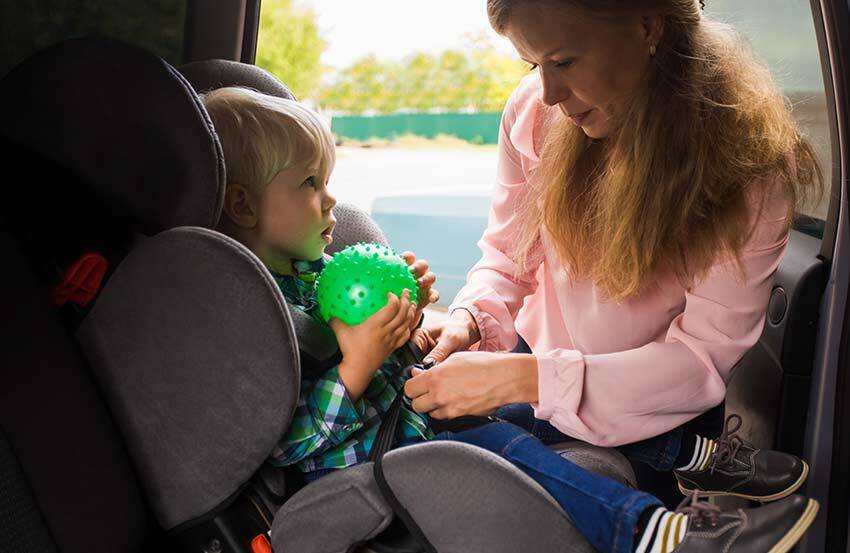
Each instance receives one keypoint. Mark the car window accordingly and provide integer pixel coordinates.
(782, 32)
(27, 27)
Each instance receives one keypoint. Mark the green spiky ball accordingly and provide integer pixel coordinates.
(355, 283)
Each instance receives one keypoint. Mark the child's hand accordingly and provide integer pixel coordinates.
(425, 279)
(365, 346)
(423, 340)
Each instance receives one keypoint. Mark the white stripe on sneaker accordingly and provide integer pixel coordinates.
(695, 457)
(711, 447)
(650, 528)
(663, 524)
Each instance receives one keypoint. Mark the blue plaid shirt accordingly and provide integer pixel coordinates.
(329, 431)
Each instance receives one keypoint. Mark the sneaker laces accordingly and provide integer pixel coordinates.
(728, 444)
(698, 511)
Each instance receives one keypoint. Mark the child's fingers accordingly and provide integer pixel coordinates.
(337, 325)
(423, 340)
(419, 268)
(420, 338)
(387, 313)
(434, 296)
(400, 337)
(402, 314)
(408, 257)
(427, 280)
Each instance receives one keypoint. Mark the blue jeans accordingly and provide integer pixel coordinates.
(604, 511)
(659, 452)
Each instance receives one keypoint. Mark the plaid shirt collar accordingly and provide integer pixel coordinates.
(300, 289)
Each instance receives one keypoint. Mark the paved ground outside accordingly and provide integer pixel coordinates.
(362, 174)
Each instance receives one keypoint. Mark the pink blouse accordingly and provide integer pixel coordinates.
(614, 373)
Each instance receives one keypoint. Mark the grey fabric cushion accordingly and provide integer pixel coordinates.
(124, 121)
(354, 225)
(604, 461)
(314, 339)
(466, 499)
(332, 514)
(193, 346)
(211, 74)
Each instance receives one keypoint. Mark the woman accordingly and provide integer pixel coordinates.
(648, 173)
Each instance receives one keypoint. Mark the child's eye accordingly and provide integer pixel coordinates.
(311, 182)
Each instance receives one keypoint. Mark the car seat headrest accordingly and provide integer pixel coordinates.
(354, 225)
(209, 75)
(122, 120)
(192, 344)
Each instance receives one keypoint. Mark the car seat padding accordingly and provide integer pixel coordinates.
(193, 346)
(208, 75)
(332, 514)
(125, 121)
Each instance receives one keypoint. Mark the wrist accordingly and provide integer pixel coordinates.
(521, 379)
(355, 376)
(465, 316)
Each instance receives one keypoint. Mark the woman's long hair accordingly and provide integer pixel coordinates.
(673, 188)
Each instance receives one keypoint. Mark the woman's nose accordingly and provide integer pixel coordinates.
(554, 92)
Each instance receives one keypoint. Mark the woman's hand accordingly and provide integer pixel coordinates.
(456, 333)
(425, 280)
(365, 346)
(473, 383)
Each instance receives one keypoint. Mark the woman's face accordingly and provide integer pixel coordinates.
(590, 66)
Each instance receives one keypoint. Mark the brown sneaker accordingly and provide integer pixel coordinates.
(773, 528)
(736, 468)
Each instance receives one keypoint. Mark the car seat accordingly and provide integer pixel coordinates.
(191, 347)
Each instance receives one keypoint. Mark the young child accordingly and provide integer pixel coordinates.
(279, 156)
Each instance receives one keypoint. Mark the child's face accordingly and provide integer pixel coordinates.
(294, 217)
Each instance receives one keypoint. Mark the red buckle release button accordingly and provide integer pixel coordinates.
(81, 280)
(260, 544)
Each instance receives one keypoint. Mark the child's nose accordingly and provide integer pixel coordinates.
(330, 201)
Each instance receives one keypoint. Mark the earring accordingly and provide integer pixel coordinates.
(652, 51)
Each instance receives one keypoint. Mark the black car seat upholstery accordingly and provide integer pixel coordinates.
(87, 167)
(66, 481)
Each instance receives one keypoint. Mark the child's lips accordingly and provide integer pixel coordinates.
(327, 234)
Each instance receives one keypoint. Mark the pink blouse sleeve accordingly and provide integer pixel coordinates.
(627, 396)
(493, 292)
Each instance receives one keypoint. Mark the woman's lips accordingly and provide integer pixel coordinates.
(579, 118)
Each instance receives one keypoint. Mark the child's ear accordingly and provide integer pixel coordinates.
(239, 206)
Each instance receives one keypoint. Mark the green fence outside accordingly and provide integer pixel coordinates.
(480, 128)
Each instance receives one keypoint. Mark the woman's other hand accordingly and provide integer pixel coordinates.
(457, 333)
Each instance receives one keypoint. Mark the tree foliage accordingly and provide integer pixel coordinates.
(289, 45)
(476, 77)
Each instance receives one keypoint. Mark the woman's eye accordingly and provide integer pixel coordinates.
(564, 63)
(533, 67)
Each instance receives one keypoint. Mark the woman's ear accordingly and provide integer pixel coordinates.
(240, 206)
(653, 29)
